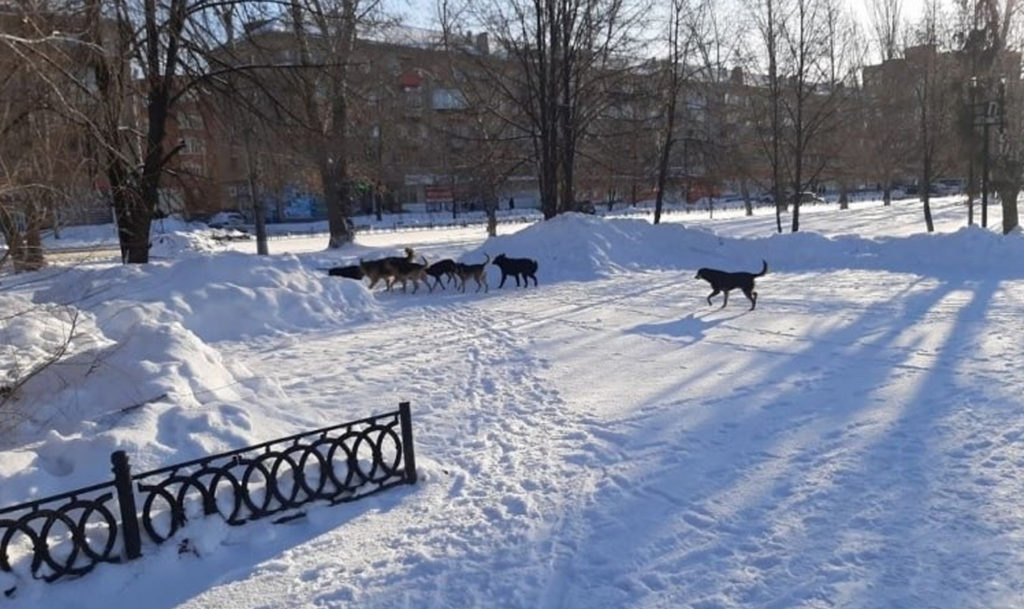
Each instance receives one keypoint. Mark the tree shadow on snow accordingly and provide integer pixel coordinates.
(837, 467)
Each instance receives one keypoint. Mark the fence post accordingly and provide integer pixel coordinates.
(126, 500)
(408, 455)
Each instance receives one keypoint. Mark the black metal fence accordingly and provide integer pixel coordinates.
(69, 534)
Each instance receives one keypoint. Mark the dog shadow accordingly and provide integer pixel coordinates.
(690, 329)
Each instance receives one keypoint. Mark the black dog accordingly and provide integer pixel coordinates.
(351, 271)
(722, 281)
(443, 268)
(516, 267)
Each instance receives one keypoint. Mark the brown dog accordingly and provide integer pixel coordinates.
(723, 281)
(381, 269)
(476, 272)
(405, 270)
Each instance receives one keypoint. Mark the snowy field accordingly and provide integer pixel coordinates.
(606, 440)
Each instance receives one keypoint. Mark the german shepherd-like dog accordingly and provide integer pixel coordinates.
(443, 268)
(405, 270)
(515, 267)
(381, 269)
(724, 282)
(476, 272)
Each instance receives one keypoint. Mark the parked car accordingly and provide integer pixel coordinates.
(810, 197)
(227, 219)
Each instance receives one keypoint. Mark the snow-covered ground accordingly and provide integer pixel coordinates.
(604, 440)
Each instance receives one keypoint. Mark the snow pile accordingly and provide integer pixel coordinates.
(580, 248)
(229, 296)
(139, 372)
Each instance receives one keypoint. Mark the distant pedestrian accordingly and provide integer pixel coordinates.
(511, 203)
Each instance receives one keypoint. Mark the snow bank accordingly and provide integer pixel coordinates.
(140, 373)
(577, 247)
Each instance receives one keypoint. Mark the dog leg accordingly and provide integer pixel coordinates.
(752, 295)
(717, 291)
(503, 278)
(725, 298)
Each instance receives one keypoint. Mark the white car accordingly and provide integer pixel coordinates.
(227, 219)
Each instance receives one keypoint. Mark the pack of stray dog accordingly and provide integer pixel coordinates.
(404, 269)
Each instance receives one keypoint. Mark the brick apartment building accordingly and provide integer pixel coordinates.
(411, 140)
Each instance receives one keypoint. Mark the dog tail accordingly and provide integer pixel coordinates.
(487, 258)
(764, 268)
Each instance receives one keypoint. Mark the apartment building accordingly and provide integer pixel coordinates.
(411, 142)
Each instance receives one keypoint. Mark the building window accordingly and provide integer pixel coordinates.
(192, 168)
(189, 120)
(193, 146)
(447, 99)
(413, 98)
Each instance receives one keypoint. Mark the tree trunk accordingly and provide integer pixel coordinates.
(337, 200)
(926, 194)
(1008, 200)
(33, 240)
(659, 195)
(972, 191)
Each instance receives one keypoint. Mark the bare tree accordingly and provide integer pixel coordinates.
(41, 148)
(693, 64)
(557, 57)
(934, 86)
(818, 83)
(886, 18)
(129, 64)
(325, 33)
(769, 23)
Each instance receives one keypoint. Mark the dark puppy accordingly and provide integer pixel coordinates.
(722, 281)
(476, 272)
(442, 268)
(516, 267)
(351, 271)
